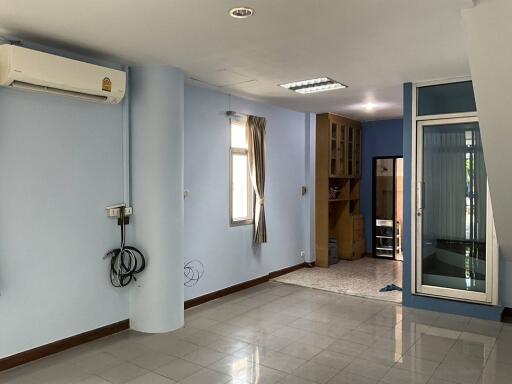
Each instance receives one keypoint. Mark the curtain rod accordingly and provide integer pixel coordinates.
(237, 114)
(233, 113)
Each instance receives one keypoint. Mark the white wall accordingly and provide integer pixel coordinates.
(61, 164)
(489, 33)
(227, 253)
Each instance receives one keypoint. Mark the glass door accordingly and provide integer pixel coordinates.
(384, 207)
(454, 239)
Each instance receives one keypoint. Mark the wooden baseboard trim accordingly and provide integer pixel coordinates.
(284, 271)
(82, 338)
(224, 292)
(61, 345)
(241, 286)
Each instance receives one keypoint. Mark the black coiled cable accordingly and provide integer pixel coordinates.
(125, 262)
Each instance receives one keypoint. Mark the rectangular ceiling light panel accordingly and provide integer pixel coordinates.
(321, 84)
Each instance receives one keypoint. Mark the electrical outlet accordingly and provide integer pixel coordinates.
(115, 211)
(303, 254)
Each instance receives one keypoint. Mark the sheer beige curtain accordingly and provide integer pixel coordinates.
(256, 132)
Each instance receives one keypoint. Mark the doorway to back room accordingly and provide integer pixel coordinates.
(388, 190)
(346, 261)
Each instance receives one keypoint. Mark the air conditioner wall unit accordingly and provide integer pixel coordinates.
(27, 69)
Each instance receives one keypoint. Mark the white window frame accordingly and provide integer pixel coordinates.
(250, 191)
(490, 296)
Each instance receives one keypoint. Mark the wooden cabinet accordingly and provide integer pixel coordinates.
(352, 235)
(354, 151)
(338, 169)
(337, 150)
(344, 147)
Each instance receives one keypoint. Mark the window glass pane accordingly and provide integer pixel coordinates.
(239, 193)
(454, 207)
(238, 135)
(446, 98)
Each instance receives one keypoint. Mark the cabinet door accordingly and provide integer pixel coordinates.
(350, 150)
(357, 152)
(342, 161)
(333, 149)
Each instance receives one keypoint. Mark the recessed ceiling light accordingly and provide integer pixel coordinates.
(369, 106)
(320, 84)
(241, 12)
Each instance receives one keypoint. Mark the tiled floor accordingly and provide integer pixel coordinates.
(277, 333)
(363, 277)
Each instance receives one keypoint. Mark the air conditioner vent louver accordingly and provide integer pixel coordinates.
(56, 91)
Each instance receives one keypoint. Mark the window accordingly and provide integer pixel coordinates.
(439, 99)
(241, 193)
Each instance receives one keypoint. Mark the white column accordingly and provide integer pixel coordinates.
(157, 111)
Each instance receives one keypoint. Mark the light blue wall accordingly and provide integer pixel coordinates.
(309, 201)
(380, 138)
(410, 300)
(228, 253)
(157, 137)
(61, 164)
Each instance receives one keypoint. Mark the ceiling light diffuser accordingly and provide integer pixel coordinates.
(241, 12)
(320, 84)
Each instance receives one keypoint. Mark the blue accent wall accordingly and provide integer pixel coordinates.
(441, 305)
(380, 138)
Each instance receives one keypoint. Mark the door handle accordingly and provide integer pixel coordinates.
(420, 196)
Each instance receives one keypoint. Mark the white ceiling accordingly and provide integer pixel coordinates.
(373, 46)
